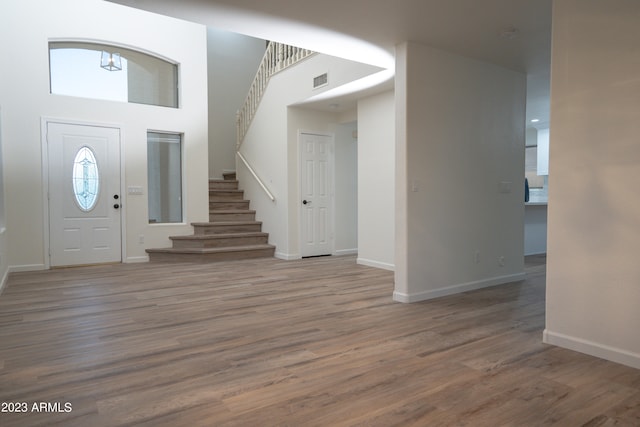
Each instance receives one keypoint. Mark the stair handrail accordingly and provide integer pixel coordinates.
(277, 57)
(256, 177)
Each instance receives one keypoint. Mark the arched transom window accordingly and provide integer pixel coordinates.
(101, 71)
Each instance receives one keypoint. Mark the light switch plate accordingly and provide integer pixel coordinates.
(135, 190)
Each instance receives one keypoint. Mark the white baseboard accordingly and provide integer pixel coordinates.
(27, 267)
(456, 289)
(291, 257)
(286, 257)
(340, 252)
(591, 348)
(376, 264)
(136, 259)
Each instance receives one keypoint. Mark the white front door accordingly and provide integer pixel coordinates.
(316, 193)
(84, 194)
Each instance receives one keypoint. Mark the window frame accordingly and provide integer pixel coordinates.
(181, 151)
(173, 90)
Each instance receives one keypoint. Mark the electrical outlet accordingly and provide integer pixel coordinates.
(141, 239)
(501, 261)
(477, 257)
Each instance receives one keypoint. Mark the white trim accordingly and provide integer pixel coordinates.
(44, 122)
(111, 43)
(376, 264)
(341, 252)
(287, 257)
(27, 267)
(456, 289)
(592, 348)
(136, 259)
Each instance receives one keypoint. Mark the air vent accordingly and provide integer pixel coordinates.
(321, 80)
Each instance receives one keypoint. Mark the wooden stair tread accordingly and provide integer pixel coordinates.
(219, 236)
(225, 181)
(223, 223)
(229, 175)
(210, 250)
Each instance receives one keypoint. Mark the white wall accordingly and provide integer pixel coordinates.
(271, 144)
(593, 274)
(376, 181)
(4, 264)
(232, 61)
(25, 99)
(461, 136)
(346, 191)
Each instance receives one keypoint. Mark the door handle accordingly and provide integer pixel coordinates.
(306, 202)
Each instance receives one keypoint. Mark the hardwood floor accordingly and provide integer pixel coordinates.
(315, 342)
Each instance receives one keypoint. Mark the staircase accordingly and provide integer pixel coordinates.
(231, 233)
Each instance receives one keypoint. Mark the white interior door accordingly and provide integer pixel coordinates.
(84, 194)
(316, 194)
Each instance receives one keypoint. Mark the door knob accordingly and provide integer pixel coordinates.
(306, 202)
(116, 206)
(115, 196)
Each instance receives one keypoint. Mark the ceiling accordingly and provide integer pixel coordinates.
(515, 34)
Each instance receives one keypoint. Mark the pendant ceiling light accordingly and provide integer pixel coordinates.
(111, 61)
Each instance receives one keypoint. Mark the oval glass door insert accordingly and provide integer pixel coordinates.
(86, 179)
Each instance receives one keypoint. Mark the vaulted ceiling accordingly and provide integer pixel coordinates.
(515, 34)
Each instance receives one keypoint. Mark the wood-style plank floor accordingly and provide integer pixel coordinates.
(315, 342)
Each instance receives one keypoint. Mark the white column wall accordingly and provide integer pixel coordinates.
(346, 178)
(461, 137)
(593, 274)
(376, 181)
(26, 27)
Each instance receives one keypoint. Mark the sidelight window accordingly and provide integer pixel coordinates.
(164, 163)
